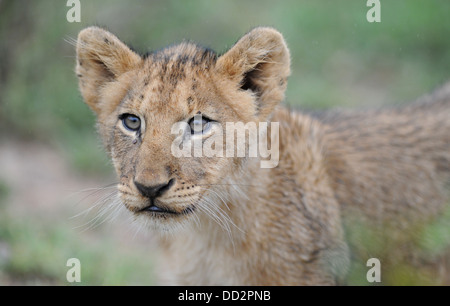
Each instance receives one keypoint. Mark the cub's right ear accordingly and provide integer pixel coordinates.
(101, 58)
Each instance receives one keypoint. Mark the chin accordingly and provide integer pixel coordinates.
(164, 222)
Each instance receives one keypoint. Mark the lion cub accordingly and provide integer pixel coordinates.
(344, 183)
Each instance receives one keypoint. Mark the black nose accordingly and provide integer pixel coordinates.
(154, 191)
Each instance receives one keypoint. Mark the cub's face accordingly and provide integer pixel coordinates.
(153, 111)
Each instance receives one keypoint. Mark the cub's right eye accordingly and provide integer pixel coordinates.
(131, 122)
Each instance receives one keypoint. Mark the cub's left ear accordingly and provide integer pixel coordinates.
(259, 62)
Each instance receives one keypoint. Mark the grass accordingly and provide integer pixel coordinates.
(338, 60)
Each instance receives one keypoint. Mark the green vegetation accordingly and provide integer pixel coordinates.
(338, 60)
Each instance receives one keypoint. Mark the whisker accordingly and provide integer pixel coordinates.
(195, 213)
(98, 202)
(216, 213)
(95, 221)
(218, 195)
(70, 40)
(221, 217)
(108, 208)
(228, 219)
(113, 208)
(95, 190)
(207, 210)
(223, 220)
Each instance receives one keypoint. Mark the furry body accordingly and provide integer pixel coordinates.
(233, 222)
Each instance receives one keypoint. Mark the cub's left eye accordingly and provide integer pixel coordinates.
(131, 122)
(200, 125)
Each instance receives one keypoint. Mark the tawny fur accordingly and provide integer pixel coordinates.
(289, 225)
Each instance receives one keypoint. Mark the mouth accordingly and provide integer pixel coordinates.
(161, 211)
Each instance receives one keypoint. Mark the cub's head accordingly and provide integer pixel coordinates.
(147, 106)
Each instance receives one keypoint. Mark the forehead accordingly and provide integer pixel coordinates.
(172, 79)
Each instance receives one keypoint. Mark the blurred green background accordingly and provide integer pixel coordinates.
(48, 146)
